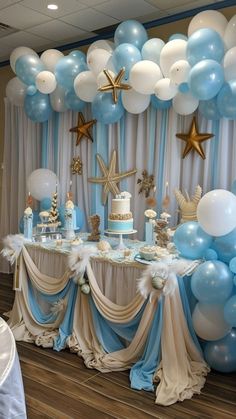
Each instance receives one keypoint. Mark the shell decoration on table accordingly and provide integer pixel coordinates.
(187, 205)
(157, 279)
(104, 246)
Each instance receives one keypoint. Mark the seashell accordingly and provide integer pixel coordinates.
(81, 280)
(158, 282)
(149, 213)
(103, 245)
(85, 289)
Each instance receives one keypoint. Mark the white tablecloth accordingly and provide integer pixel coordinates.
(12, 399)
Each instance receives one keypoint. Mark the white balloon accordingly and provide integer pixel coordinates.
(209, 322)
(208, 19)
(135, 102)
(85, 86)
(57, 99)
(164, 89)
(230, 33)
(102, 79)
(144, 75)
(42, 183)
(15, 91)
(229, 64)
(46, 82)
(97, 60)
(171, 52)
(179, 71)
(50, 57)
(216, 212)
(101, 44)
(185, 103)
(19, 52)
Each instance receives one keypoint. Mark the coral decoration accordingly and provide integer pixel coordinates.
(146, 183)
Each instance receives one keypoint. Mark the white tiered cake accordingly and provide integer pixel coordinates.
(120, 219)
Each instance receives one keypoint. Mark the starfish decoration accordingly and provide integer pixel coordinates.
(110, 178)
(82, 128)
(194, 139)
(114, 84)
(76, 166)
(146, 183)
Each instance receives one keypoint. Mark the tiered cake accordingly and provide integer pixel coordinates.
(120, 219)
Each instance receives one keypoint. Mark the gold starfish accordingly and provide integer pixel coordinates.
(114, 84)
(110, 178)
(82, 128)
(193, 140)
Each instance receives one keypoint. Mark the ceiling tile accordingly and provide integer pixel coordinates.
(21, 17)
(64, 7)
(152, 16)
(56, 30)
(92, 3)
(167, 4)
(25, 39)
(89, 20)
(190, 6)
(126, 9)
(6, 3)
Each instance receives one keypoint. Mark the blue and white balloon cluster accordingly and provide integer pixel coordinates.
(188, 72)
(213, 239)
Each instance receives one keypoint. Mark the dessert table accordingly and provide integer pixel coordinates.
(118, 320)
(12, 400)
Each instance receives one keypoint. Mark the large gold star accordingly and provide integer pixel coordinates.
(194, 139)
(82, 128)
(114, 84)
(110, 178)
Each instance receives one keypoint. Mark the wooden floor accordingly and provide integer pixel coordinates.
(59, 386)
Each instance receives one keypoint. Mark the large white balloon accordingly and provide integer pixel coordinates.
(85, 86)
(19, 52)
(164, 89)
(172, 51)
(208, 19)
(185, 103)
(135, 102)
(50, 57)
(102, 79)
(229, 64)
(42, 183)
(144, 75)
(179, 71)
(209, 322)
(15, 91)
(216, 212)
(57, 99)
(46, 82)
(97, 60)
(230, 33)
(101, 44)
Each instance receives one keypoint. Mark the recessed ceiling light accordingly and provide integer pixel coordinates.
(52, 6)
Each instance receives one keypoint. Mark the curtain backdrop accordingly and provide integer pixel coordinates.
(145, 141)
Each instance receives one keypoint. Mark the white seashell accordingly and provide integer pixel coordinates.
(81, 280)
(149, 213)
(103, 245)
(85, 289)
(158, 282)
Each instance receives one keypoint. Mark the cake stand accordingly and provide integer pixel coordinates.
(121, 245)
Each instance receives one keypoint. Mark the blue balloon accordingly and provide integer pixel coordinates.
(66, 70)
(183, 88)
(234, 280)
(221, 354)
(36, 220)
(131, 32)
(151, 50)
(105, 110)
(233, 187)
(178, 36)
(73, 101)
(27, 67)
(212, 282)
(31, 90)
(79, 55)
(230, 311)
(160, 104)
(45, 204)
(210, 254)
(37, 107)
(125, 55)
(226, 100)
(204, 44)
(191, 241)
(206, 79)
(79, 216)
(209, 109)
(232, 265)
(225, 246)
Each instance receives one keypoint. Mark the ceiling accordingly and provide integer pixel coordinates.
(33, 25)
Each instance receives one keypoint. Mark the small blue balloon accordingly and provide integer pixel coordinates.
(45, 204)
(125, 55)
(31, 90)
(79, 55)
(233, 187)
(66, 70)
(210, 254)
(225, 246)
(221, 354)
(131, 32)
(204, 44)
(178, 36)
(226, 100)
(73, 102)
(36, 220)
(160, 104)
(28, 67)
(212, 282)
(79, 216)
(183, 88)
(105, 110)
(230, 311)
(209, 109)
(232, 265)
(37, 107)
(234, 280)
(191, 241)
(206, 79)
(151, 50)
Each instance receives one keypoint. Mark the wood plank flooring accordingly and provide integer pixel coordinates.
(59, 386)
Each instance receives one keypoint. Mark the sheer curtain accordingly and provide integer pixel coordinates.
(145, 141)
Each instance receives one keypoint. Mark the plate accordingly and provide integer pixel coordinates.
(144, 261)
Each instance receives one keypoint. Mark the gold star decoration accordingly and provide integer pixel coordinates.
(82, 128)
(114, 84)
(194, 139)
(110, 178)
(76, 166)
